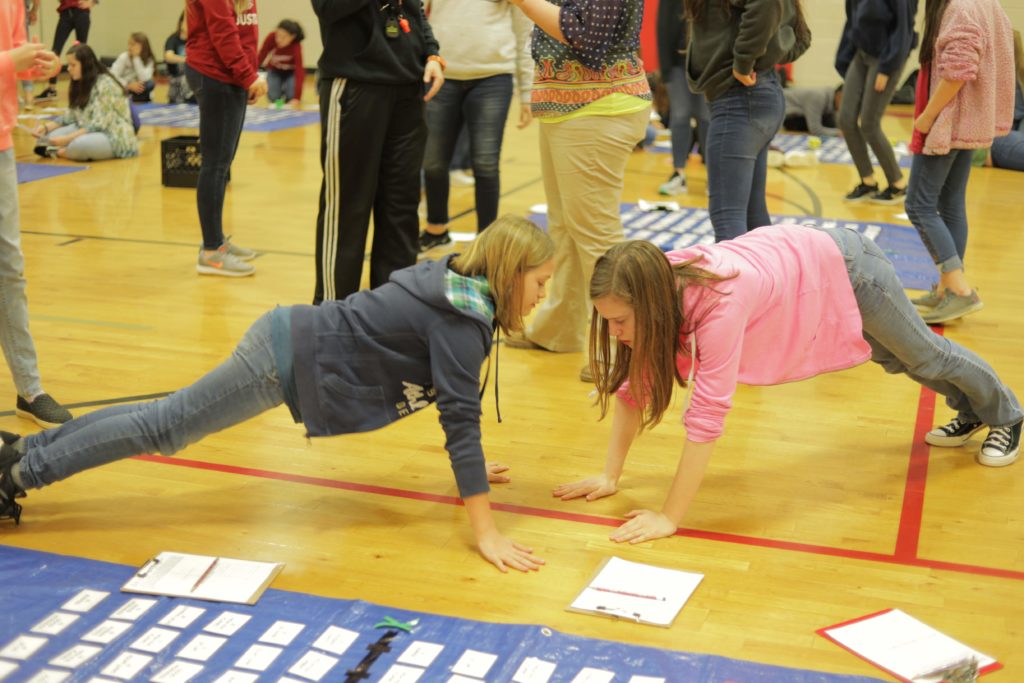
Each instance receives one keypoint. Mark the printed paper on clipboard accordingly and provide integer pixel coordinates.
(638, 592)
(203, 577)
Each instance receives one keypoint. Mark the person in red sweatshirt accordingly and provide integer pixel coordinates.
(281, 56)
(74, 16)
(220, 66)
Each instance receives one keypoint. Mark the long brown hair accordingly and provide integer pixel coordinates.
(503, 253)
(80, 91)
(933, 11)
(638, 273)
(694, 11)
(146, 53)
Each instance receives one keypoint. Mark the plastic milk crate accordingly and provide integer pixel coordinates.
(181, 159)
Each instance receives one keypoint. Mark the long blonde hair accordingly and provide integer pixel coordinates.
(503, 253)
(638, 273)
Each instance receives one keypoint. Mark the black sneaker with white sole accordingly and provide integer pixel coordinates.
(861, 192)
(47, 95)
(10, 508)
(43, 410)
(430, 241)
(890, 195)
(956, 433)
(1001, 447)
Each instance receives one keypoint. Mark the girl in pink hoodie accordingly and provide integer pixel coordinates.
(779, 304)
(965, 94)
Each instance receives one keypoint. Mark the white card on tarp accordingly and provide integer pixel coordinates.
(49, 676)
(399, 673)
(420, 653)
(202, 647)
(458, 678)
(281, 633)
(22, 647)
(6, 669)
(55, 623)
(76, 656)
(534, 670)
(154, 640)
(84, 601)
(133, 609)
(474, 663)
(904, 646)
(106, 632)
(258, 657)
(126, 665)
(639, 592)
(177, 672)
(590, 675)
(313, 665)
(336, 640)
(237, 677)
(182, 616)
(227, 623)
(646, 679)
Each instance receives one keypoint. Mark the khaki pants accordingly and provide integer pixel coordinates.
(583, 161)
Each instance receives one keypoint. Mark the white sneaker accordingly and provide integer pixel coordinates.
(675, 185)
(222, 263)
(463, 178)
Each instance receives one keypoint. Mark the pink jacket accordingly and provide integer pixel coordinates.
(974, 44)
(12, 34)
(789, 314)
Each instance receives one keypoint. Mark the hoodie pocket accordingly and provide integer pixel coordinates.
(351, 408)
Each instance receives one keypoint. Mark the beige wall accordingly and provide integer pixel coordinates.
(113, 20)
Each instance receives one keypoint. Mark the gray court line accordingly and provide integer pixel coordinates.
(97, 323)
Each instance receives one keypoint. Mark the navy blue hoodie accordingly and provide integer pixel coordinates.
(382, 354)
(884, 29)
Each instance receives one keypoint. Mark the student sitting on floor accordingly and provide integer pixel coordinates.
(98, 122)
(135, 68)
(812, 110)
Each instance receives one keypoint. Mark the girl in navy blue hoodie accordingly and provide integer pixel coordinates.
(341, 367)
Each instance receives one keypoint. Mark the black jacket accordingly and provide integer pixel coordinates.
(884, 29)
(671, 30)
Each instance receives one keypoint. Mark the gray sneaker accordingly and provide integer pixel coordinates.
(953, 306)
(240, 253)
(929, 300)
(222, 263)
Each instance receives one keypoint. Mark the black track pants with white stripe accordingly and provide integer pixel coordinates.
(371, 152)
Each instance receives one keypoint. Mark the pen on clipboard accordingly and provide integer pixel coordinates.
(146, 568)
(619, 612)
(202, 577)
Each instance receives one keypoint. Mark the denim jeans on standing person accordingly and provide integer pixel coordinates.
(221, 115)
(15, 338)
(89, 147)
(743, 122)
(685, 105)
(243, 386)
(482, 104)
(936, 204)
(903, 344)
(280, 85)
(860, 117)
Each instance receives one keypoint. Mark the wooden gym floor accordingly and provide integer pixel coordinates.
(821, 504)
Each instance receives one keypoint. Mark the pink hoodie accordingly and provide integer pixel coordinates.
(789, 314)
(974, 44)
(12, 34)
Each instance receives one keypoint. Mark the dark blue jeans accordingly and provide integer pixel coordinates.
(221, 115)
(482, 104)
(937, 205)
(684, 105)
(743, 122)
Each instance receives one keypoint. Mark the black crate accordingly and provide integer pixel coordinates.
(180, 161)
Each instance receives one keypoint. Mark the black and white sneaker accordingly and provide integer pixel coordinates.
(956, 433)
(890, 195)
(861, 192)
(49, 94)
(43, 410)
(9, 490)
(430, 241)
(1001, 446)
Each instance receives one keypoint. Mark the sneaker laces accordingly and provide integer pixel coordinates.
(954, 425)
(999, 437)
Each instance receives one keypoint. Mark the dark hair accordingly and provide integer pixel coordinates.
(694, 11)
(933, 11)
(181, 21)
(147, 52)
(92, 68)
(293, 28)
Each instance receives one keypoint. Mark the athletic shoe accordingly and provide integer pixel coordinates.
(9, 490)
(890, 195)
(45, 151)
(930, 300)
(43, 410)
(861, 192)
(430, 241)
(240, 253)
(956, 433)
(1001, 446)
(49, 94)
(953, 306)
(675, 185)
(462, 178)
(518, 340)
(222, 263)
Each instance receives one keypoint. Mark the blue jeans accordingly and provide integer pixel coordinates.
(280, 85)
(221, 115)
(937, 206)
(743, 122)
(902, 344)
(243, 386)
(88, 147)
(685, 105)
(1008, 151)
(483, 105)
(18, 347)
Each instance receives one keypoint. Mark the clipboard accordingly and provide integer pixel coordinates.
(632, 591)
(203, 577)
(904, 647)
